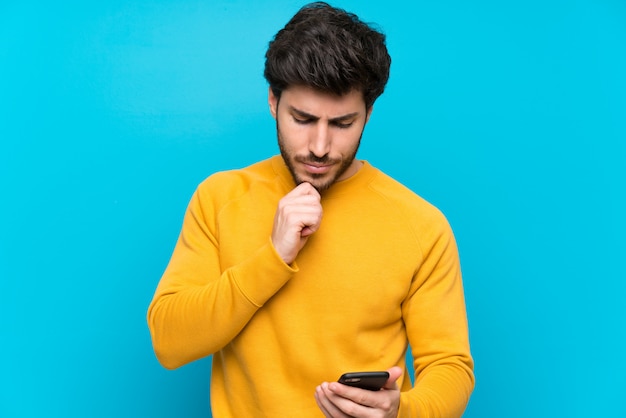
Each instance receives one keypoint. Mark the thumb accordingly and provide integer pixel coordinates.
(394, 373)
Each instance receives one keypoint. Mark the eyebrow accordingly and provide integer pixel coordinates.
(341, 118)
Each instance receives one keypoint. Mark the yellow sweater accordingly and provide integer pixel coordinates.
(382, 270)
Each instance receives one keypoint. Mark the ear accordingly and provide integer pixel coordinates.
(369, 113)
(273, 102)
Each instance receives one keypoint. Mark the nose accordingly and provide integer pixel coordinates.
(319, 143)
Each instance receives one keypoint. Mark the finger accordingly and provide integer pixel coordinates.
(305, 189)
(299, 215)
(320, 403)
(325, 404)
(394, 374)
(294, 204)
(304, 220)
(342, 396)
(307, 231)
(301, 212)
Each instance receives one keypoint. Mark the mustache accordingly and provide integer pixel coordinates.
(312, 158)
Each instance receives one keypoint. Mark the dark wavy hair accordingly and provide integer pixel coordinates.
(330, 50)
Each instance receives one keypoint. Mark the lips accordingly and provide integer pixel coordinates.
(317, 168)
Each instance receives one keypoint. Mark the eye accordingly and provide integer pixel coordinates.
(343, 125)
(301, 121)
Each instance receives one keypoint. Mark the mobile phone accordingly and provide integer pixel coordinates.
(365, 380)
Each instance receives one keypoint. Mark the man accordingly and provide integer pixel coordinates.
(313, 263)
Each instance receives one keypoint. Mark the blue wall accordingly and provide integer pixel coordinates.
(509, 116)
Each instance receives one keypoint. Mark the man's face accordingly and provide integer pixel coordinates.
(319, 133)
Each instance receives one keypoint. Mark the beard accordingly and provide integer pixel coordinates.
(321, 181)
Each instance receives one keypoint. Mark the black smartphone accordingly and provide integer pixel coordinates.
(365, 380)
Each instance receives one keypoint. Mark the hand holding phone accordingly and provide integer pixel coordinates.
(365, 380)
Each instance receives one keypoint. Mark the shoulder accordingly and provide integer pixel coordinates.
(237, 180)
(225, 186)
(401, 196)
(405, 203)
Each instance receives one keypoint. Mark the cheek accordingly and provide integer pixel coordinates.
(348, 143)
(293, 136)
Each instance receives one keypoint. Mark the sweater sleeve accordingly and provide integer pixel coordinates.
(436, 322)
(197, 308)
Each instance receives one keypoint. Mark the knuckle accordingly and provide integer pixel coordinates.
(350, 409)
(287, 210)
(282, 204)
(385, 405)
